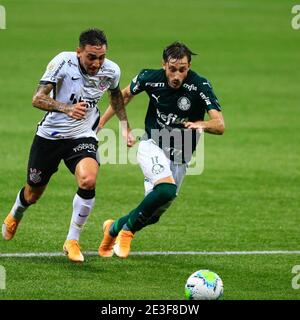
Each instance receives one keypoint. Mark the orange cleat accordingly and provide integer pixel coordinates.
(123, 242)
(72, 250)
(106, 246)
(9, 227)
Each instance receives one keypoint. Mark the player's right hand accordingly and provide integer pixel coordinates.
(78, 110)
(130, 139)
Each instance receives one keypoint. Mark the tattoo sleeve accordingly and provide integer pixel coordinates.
(42, 100)
(117, 103)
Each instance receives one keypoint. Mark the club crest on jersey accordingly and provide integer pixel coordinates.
(184, 103)
(35, 175)
(158, 168)
(103, 83)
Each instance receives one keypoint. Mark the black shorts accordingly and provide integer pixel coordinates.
(45, 156)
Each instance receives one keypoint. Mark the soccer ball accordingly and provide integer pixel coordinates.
(204, 285)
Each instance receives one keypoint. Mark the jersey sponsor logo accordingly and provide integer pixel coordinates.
(190, 87)
(171, 118)
(155, 84)
(184, 103)
(35, 175)
(205, 98)
(85, 146)
(90, 102)
(75, 78)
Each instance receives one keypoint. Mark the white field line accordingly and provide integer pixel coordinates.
(150, 253)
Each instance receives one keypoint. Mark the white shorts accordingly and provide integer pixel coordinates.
(155, 165)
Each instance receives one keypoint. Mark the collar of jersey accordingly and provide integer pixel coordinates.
(81, 69)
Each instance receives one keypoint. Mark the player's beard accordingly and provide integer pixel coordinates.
(87, 70)
(92, 71)
(175, 84)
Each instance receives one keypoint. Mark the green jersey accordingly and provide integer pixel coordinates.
(169, 108)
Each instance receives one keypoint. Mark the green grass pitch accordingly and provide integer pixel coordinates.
(247, 198)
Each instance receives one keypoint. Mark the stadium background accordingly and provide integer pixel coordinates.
(247, 198)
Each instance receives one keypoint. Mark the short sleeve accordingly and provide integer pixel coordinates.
(208, 96)
(55, 70)
(138, 83)
(116, 79)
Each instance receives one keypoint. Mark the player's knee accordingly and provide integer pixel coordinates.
(87, 182)
(167, 191)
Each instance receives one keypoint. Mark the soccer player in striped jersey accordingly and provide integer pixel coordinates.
(179, 98)
(69, 92)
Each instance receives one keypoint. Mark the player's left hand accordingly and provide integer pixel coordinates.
(197, 125)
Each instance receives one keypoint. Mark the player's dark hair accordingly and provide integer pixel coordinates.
(93, 36)
(177, 50)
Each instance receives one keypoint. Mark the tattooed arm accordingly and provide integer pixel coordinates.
(42, 101)
(117, 105)
(109, 112)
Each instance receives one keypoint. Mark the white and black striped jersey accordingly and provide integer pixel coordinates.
(72, 85)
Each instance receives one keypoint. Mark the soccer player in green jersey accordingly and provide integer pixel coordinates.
(179, 98)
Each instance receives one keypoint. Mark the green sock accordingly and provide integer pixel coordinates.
(160, 195)
(137, 218)
(117, 226)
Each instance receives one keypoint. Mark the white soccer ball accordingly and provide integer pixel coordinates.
(204, 285)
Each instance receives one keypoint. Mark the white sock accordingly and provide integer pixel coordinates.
(81, 210)
(18, 208)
